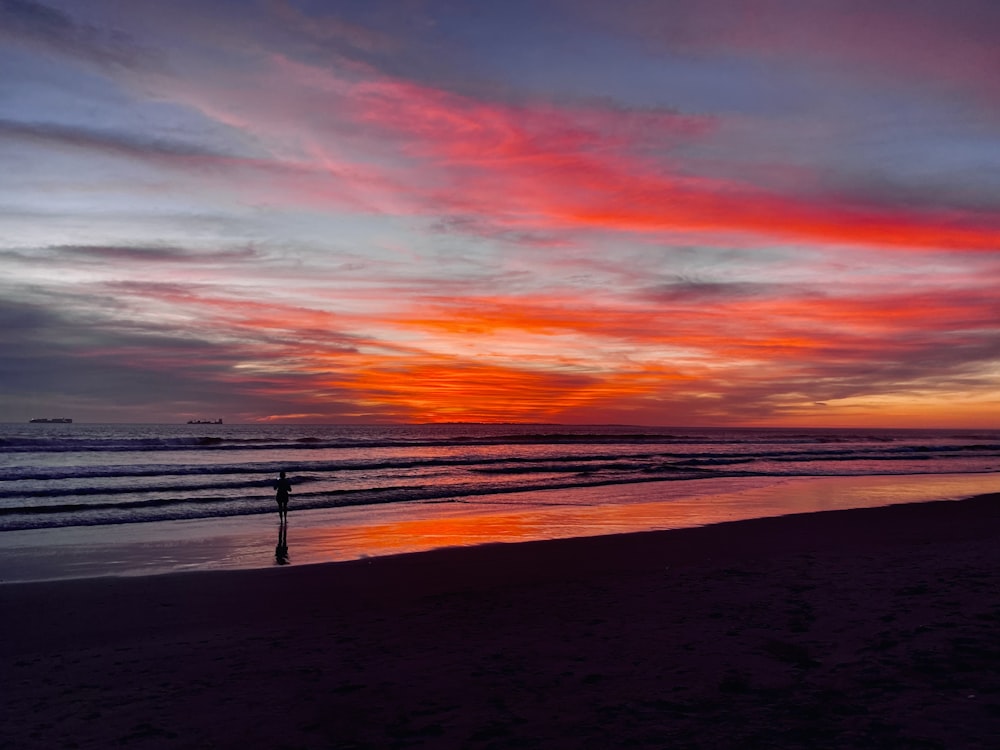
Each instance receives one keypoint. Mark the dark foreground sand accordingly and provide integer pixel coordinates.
(876, 628)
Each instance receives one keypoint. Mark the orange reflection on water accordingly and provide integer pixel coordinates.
(430, 533)
(593, 511)
(477, 523)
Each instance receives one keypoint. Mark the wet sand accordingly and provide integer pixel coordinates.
(875, 627)
(352, 533)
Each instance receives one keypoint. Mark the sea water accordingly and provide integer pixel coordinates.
(59, 475)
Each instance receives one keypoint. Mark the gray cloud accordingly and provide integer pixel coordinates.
(974, 191)
(148, 259)
(110, 142)
(693, 291)
(479, 226)
(57, 356)
(151, 254)
(28, 22)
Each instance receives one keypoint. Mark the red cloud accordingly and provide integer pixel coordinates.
(539, 166)
(373, 143)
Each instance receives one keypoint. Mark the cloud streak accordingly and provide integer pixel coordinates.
(543, 167)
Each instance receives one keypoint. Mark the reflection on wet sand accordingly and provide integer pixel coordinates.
(620, 509)
(281, 550)
(351, 533)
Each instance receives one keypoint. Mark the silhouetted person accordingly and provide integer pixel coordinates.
(283, 486)
(281, 551)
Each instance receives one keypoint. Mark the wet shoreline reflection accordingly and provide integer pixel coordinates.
(281, 549)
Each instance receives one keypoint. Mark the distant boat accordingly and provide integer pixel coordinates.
(60, 420)
(204, 421)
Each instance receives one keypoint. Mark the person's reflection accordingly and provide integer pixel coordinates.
(281, 551)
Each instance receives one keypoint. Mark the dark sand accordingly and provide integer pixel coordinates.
(874, 628)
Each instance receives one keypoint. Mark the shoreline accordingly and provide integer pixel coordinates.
(318, 536)
(845, 628)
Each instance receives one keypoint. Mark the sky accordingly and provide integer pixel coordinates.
(648, 212)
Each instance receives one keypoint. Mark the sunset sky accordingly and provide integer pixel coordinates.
(677, 212)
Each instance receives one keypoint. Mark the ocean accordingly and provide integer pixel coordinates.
(73, 475)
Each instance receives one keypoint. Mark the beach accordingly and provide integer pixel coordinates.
(873, 627)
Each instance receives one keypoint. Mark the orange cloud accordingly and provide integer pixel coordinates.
(667, 353)
(442, 389)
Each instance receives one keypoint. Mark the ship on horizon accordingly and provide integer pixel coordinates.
(204, 421)
(57, 420)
